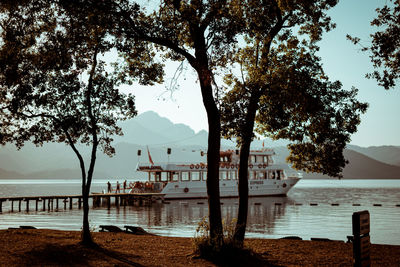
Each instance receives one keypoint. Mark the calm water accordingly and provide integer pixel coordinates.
(294, 215)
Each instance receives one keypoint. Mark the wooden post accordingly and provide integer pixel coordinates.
(117, 201)
(108, 202)
(56, 203)
(19, 205)
(65, 203)
(48, 204)
(27, 205)
(12, 205)
(44, 204)
(361, 242)
(37, 200)
(70, 203)
(1, 206)
(79, 202)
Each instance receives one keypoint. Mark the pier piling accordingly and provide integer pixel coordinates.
(121, 199)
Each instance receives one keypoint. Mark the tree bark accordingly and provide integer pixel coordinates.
(247, 135)
(86, 183)
(213, 157)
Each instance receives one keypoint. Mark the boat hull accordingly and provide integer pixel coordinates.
(228, 188)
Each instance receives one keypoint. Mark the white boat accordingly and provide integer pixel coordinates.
(188, 180)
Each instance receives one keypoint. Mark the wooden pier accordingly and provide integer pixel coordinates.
(99, 199)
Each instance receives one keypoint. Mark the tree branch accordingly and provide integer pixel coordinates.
(156, 40)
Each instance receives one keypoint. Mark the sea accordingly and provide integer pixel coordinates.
(314, 208)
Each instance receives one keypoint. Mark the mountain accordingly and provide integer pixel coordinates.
(151, 131)
(363, 167)
(10, 174)
(387, 154)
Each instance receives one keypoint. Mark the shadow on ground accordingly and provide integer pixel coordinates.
(76, 255)
(240, 258)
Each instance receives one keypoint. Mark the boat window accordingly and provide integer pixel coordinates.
(265, 159)
(252, 158)
(185, 176)
(222, 175)
(174, 176)
(164, 177)
(204, 176)
(195, 176)
(259, 159)
(270, 160)
(232, 175)
(152, 176)
(158, 176)
(252, 174)
(260, 175)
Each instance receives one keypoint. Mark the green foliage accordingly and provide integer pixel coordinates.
(55, 84)
(283, 87)
(385, 46)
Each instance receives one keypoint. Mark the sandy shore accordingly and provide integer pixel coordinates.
(62, 248)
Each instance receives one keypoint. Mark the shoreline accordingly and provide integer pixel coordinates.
(43, 247)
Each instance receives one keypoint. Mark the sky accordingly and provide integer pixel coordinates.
(342, 61)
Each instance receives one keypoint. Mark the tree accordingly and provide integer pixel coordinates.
(282, 86)
(201, 32)
(55, 86)
(385, 46)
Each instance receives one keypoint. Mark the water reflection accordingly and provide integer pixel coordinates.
(183, 214)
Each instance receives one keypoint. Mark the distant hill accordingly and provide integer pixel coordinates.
(364, 167)
(10, 174)
(387, 154)
(150, 130)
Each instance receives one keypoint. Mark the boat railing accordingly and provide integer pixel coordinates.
(169, 163)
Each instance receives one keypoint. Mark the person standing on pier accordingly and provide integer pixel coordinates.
(125, 185)
(118, 190)
(109, 189)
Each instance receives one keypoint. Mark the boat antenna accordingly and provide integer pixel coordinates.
(139, 153)
(169, 153)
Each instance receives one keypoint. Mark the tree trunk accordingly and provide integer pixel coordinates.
(213, 158)
(246, 138)
(241, 223)
(86, 237)
(201, 65)
(86, 183)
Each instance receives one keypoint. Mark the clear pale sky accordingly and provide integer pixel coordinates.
(342, 61)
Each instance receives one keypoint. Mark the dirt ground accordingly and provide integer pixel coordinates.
(61, 248)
